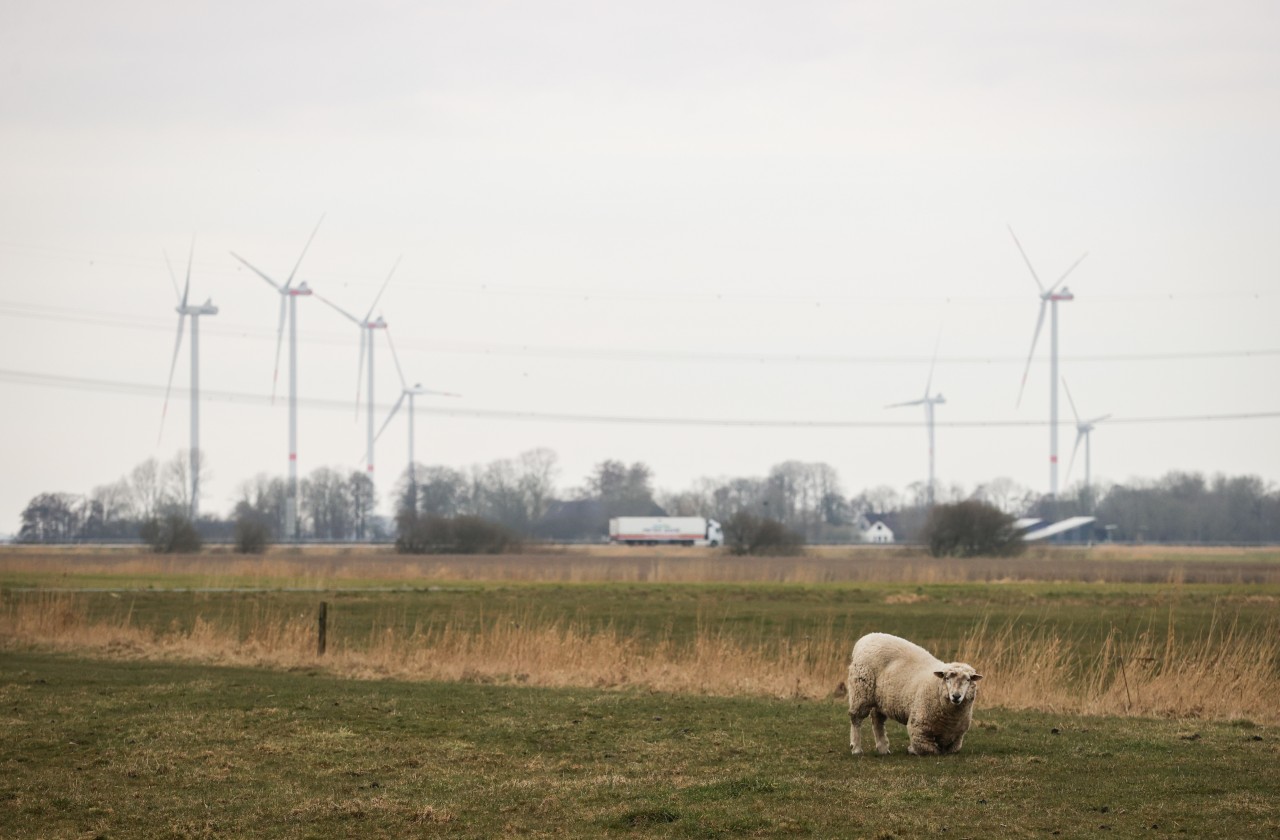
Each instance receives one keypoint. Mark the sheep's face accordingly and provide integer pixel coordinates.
(959, 682)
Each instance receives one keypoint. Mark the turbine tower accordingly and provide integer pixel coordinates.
(184, 309)
(416, 391)
(928, 402)
(1084, 429)
(1052, 295)
(367, 328)
(289, 295)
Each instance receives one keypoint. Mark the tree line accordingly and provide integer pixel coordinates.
(523, 496)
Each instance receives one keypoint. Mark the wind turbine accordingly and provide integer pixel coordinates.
(184, 309)
(1084, 429)
(928, 402)
(1052, 295)
(367, 328)
(289, 294)
(416, 391)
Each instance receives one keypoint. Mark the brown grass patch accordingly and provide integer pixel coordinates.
(320, 567)
(1228, 674)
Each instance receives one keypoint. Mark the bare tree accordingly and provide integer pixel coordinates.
(116, 500)
(537, 470)
(326, 502)
(51, 518)
(148, 490)
(263, 501)
(176, 479)
(363, 496)
(1006, 494)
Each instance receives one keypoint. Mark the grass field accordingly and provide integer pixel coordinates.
(138, 749)
(602, 693)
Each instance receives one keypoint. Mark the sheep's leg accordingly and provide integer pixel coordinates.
(855, 731)
(921, 744)
(877, 728)
(859, 707)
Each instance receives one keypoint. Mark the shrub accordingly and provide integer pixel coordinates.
(971, 529)
(456, 535)
(171, 534)
(252, 535)
(746, 533)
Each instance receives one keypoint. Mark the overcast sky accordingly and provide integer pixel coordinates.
(720, 211)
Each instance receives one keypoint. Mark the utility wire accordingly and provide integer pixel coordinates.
(154, 324)
(487, 287)
(142, 389)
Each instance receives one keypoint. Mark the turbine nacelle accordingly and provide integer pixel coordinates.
(300, 290)
(206, 308)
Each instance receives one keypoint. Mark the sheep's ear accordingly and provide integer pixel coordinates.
(942, 675)
(975, 678)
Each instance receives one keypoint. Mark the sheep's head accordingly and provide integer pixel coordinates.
(959, 682)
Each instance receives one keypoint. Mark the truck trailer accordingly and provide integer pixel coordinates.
(665, 530)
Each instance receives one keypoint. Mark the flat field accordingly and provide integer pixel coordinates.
(93, 748)
(599, 692)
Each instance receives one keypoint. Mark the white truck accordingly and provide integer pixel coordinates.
(665, 530)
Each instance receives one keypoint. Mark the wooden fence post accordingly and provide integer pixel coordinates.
(323, 628)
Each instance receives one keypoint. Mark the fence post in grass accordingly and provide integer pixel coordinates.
(322, 629)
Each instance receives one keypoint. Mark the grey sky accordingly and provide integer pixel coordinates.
(638, 187)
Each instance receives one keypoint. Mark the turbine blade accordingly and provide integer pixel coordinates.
(1071, 401)
(901, 404)
(1099, 419)
(1068, 271)
(1080, 434)
(289, 282)
(275, 376)
(396, 358)
(428, 392)
(344, 313)
(1034, 276)
(190, 256)
(254, 269)
(172, 277)
(387, 422)
(1034, 338)
(928, 385)
(384, 287)
(177, 346)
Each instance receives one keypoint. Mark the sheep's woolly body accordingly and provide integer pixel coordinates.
(890, 677)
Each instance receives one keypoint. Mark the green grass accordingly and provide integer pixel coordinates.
(935, 615)
(129, 749)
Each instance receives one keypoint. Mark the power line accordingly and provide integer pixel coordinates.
(155, 324)
(488, 287)
(142, 389)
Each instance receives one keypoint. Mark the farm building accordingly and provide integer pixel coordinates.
(878, 533)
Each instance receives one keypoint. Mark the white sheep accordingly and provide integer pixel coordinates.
(890, 677)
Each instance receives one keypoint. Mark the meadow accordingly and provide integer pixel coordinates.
(600, 692)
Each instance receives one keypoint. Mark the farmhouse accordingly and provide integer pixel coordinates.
(878, 533)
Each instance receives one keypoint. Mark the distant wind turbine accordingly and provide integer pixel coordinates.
(289, 294)
(184, 310)
(928, 402)
(367, 328)
(416, 391)
(1051, 295)
(1084, 430)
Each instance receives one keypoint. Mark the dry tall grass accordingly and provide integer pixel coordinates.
(319, 567)
(1226, 675)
